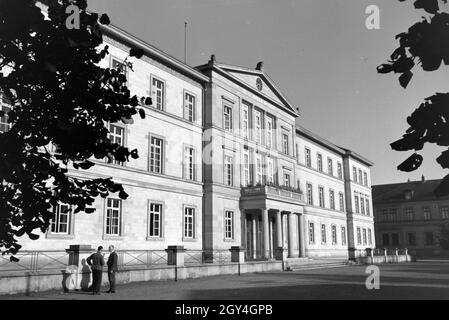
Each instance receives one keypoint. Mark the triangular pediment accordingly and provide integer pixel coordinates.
(260, 83)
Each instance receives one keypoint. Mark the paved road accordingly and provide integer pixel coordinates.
(420, 280)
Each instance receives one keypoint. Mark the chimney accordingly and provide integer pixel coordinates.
(259, 66)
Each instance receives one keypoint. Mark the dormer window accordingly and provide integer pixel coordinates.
(408, 194)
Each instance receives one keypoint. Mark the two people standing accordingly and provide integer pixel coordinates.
(96, 261)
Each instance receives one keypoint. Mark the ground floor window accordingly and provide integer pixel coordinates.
(155, 218)
(229, 225)
(334, 235)
(359, 236)
(429, 238)
(343, 235)
(323, 233)
(385, 239)
(395, 239)
(189, 223)
(311, 233)
(411, 239)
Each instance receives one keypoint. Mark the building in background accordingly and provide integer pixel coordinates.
(409, 215)
(222, 162)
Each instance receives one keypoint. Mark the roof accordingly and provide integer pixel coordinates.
(153, 52)
(395, 192)
(327, 144)
(228, 70)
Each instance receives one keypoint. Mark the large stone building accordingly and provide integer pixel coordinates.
(223, 162)
(409, 215)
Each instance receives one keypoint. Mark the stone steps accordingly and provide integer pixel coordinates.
(309, 264)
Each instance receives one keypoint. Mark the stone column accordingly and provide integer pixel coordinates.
(254, 235)
(265, 234)
(291, 230)
(278, 229)
(302, 240)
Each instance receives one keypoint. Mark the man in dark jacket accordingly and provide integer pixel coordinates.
(112, 268)
(96, 262)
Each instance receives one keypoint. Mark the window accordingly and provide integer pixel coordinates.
(227, 116)
(342, 201)
(354, 174)
(339, 171)
(309, 194)
(245, 120)
(189, 223)
(228, 170)
(409, 214)
(370, 237)
(365, 178)
(444, 213)
(385, 239)
(356, 202)
(287, 179)
(323, 233)
(343, 236)
(362, 205)
(395, 239)
(270, 173)
(429, 238)
(269, 132)
(229, 225)
(60, 224)
(5, 107)
(246, 172)
(364, 237)
(258, 125)
(113, 217)
(189, 163)
(116, 135)
(319, 162)
(155, 218)
(368, 212)
(321, 196)
(189, 107)
(156, 153)
(392, 215)
(332, 199)
(426, 212)
(158, 93)
(259, 170)
(308, 157)
(334, 235)
(360, 177)
(311, 233)
(285, 143)
(330, 167)
(359, 236)
(411, 239)
(122, 68)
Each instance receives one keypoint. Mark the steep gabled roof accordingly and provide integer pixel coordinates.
(395, 192)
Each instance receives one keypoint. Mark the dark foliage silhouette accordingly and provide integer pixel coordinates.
(425, 44)
(61, 100)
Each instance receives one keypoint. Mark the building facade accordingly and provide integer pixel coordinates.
(222, 162)
(409, 215)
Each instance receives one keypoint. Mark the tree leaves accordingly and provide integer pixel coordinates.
(64, 103)
(138, 53)
(412, 163)
(104, 19)
(405, 78)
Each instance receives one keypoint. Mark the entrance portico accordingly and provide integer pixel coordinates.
(273, 223)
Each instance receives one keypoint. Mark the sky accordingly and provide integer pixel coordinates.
(320, 54)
